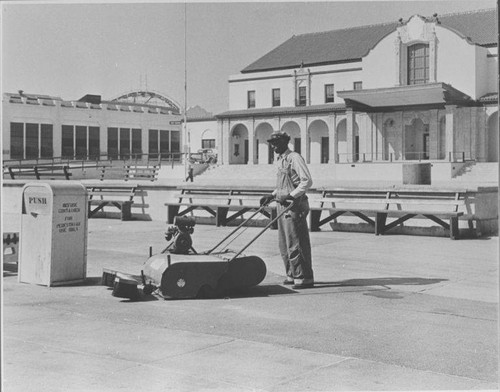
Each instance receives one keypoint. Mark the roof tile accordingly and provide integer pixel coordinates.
(352, 44)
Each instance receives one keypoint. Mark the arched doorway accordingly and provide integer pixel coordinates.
(293, 129)
(238, 146)
(342, 141)
(493, 138)
(319, 142)
(416, 140)
(389, 145)
(263, 152)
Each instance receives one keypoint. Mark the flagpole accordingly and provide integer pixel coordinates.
(186, 141)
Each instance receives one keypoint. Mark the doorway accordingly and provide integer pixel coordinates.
(325, 150)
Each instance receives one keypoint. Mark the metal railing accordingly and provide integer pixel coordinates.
(419, 156)
(79, 161)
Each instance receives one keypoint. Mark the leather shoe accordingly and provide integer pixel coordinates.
(288, 281)
(303, 283)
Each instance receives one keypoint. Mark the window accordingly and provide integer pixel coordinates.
(251, 99)
(175, 142)
(302, 96)
(329, 93)
(81, 142)
(418, 64)
(67, 141)
(94, 148)
(17, 140)
(164, 142)
(112, 143)
(153, 143)
(136, 141)
(357, 85)
(124, 143)
(31, 141)
(208, 143)
(46, 141)
(276, 97)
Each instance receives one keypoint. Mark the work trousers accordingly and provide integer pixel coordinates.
(294, 241)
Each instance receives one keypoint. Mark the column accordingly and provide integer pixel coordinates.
(397, 59)
(473, 135)
(350, 135)
(332, 139)
(434, 135)
(304, 140)
(432, 57)
(482, 135)
(251, 142)
(450, 134)
(224, 137)
(57, 132)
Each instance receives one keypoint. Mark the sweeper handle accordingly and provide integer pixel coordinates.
(245, 222)
(235, 230)
(263, 230)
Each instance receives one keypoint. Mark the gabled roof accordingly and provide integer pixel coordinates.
(480, 27)
(352, 44)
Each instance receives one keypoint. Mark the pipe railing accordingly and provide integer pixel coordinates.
(457, 156)
(79, 161)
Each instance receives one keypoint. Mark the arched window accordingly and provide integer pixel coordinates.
(418, 64)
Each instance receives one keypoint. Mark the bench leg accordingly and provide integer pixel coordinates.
(126, 211)
(172, 212)
(454, 231)
(315, 218)
(221, 216)
(380, 219)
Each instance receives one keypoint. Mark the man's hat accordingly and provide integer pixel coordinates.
(277, 137)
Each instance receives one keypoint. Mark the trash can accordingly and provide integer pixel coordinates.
(53, 239)
(417, 173)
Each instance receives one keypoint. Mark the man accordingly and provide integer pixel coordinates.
(293, 181)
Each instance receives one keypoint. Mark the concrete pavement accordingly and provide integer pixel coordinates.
(388, 313)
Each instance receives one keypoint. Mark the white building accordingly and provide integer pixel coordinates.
(140, 124)
(202, 129)
(425, 88)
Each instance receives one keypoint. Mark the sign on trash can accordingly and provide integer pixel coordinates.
(53, 239)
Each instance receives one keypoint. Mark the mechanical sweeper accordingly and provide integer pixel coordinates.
(179, 272)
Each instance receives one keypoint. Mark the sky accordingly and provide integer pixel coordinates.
(110, 48)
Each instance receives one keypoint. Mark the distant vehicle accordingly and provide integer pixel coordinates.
(204, 155)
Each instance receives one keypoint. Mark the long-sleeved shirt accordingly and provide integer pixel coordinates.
(301, 178)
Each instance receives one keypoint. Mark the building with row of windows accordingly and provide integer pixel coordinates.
(139, 124)
(425, 88)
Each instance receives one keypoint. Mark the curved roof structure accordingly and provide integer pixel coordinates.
(148, 97)
(352, 44)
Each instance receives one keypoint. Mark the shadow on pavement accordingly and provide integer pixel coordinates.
(259, 291)
(389, 281)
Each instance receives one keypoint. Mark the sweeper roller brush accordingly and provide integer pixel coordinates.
(202, 276)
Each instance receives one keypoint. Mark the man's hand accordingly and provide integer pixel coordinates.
(265, 200)
(286, 200)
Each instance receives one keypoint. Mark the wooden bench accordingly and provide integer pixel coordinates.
(224, 204)
(10, 248)
(119, 196)
(141, 172)
(376, 206)
(39, 172)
